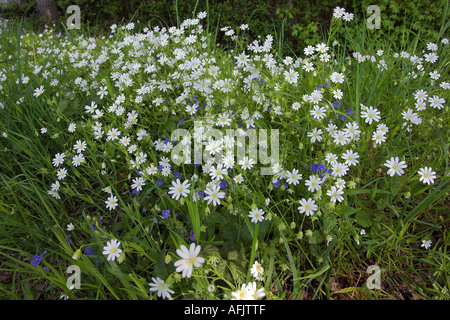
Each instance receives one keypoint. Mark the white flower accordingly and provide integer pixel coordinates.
(338, 94)
(138, 183)
(256, 215)
(339, 169)
(307, 206)
(218, 173)
(338, 12)
(395, 166)
(61, 174)
(379, 137)
(315, 135)
(211, 288)
(243, 294)
(111, 203)
(436, 102)
(257, 270)
(318, 112)
(113, 134)
(38, 91)
(313, 183)
(254, 292)
(293, 177)
(335, 194)
(246, 163)
(177, 190)
(350, 157)
(112, 250)
(58, 159)
(72, 127)
(79, 146)
(370, 114)
(337, 77)
(238, 179)
(427, 175)
(426, 244)
(214, 195)
(70, 227)
(162, 288)
(276, 168)
(189, 259)
(348, 16)
(77, 160)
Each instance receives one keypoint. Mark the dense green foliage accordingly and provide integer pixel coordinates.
(296, 23)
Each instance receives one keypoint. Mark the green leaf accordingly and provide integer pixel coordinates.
(237, 272)
(229, 232)
(62, 105)
(329, 222)
(363, 218)
(316, 237)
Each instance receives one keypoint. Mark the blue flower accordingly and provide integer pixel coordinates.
(200, 193)
(89, 251)
(276, 184)
(343, 118)
(159, 182)
(223, 185)
(37, 259)
(181, 122)
(350, 111)
(176, 175)
(336, 104)
(192, 238)
(166, 214)
(320, 168)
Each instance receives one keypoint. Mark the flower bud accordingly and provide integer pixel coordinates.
(76, 255)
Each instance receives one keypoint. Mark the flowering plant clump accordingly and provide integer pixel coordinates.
(128, 142)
